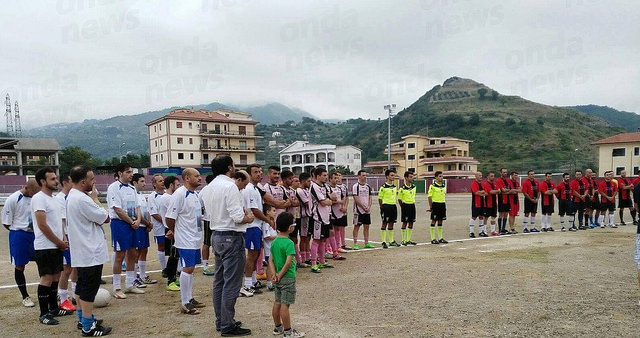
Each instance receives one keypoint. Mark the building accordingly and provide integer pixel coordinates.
(192, 138)
(619, 152)
(302, 156)
(424, 155)
(25, 156)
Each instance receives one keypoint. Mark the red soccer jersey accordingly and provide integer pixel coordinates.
(514, 198)
(491, 199)
(580, 186)
(503, 183)
(607, 189)
(594, 189)
(636, 181)
(564, 191)
(546, 186)
(530, 188)
(624, 193)
(477, 201)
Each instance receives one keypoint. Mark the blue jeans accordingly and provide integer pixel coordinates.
(230, 257)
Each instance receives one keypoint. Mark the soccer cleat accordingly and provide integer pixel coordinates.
(328, 255)
(207, 271)
(97, 321)
(308, 262)
(325, 265)
(190, 309)
(73, 301)
(293, 334)
(411, 243)
(257, 285)
(262, 276)
(602, 226)
(134, 290)
(138, 283)
(196, 303)
(534, 230)
(246, 292)
(60, 312)
(47, 319)
(472, 235)
(494, 233)
(27, 302)
(525, 231)
(544, 229)
(315, 269)
(369, 246)
(504, 232)
(635, 222)
(66, 305)
(356, 247)
(338, 258)
(238, 331)
(513, 231)
(173, 286)
(404, 243)
(563, 229)
(341, 250)
(614, 226)
(118, 294)
(483, 234)
(96, 330)
(435, 241)
(256, 291)
(102, 281)
(550, 229)
(443, 241)
(302, 265)
(573, 228)
(622, 223)
(344, 247)
(394, 244)
(384, 245)
(177, 282)
(594, 225)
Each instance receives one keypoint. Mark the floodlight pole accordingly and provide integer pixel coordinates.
(389, 108)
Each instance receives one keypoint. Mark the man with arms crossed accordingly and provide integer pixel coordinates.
(156, 219)
(531, 192)
(361, 192)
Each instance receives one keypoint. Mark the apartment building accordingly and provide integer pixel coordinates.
(302, 156)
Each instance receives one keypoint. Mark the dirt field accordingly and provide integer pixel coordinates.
(552, 284)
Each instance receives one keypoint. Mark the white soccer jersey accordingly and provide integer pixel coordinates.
(362, 192)
(252, 200)
(87, 242)
(61, 199)
(203, 195)
(17, 212)
(122, 196)
(154, 209)
(184, 207)
(51, 208)
(144, 207)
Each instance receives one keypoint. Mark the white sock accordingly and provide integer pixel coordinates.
(136, 268)
(205, 263)
(601, 220)
(571, 220)
(533, 222)
(543, 221)
(162, 259)
(73, 289)
(493, 226)
(253, 277)
(190, 286)
(184, 287)
(129, 279)
(248, 282)
(62, 295)
(562, 221)
(525, 222)
(116, 280)
(549, 221)
(472, 226)
(611, 219)
(142, 265)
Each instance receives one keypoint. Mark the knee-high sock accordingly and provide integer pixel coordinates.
(432, 231)
(117, 280)
(322, 248)
(409, 234)
(571, 221)
(21, 282)
(129, 279)
(383, 235)
(532, 220)
(73, 289)
(621, 212)
(439, 231)
(601, 220)
(162, 259)
(493, 226)
(333, 244)
(184, 287)
(142, 265)
(53, 296)
(525, 222)
(483, 227)
(612, 219)
(314, 252)
(633, 214)
(580, 217)
(43, 299)
(472, 225)
(562, 221)
(390, 233)
(172, 264)
(404, 234)
(587, 219)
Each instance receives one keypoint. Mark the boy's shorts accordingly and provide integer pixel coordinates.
(285, 291)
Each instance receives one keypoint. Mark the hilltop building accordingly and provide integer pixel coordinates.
(302, 156)
(619, 152)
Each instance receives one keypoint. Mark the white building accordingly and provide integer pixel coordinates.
(301, 156)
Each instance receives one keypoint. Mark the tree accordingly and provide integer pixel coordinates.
(503, 100)
(342, 169)
(72, 156)
(494, 95)
(482, 92)
(474, 119)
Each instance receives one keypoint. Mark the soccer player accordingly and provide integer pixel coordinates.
(579, 191)
(595, 199)
(171, 184)
(407, 201)
(589, 200)
(504, 185)
(387, 200)
(607, 190)
(206, 243)
(49, 243)
(322, 201)
(156, 218)
(477, 206)
(16, 217)
(437, 207)
(124, 212)
(87, 245)
(337, 217)
(288, 178)
(531, 193)
(491, 203)
(67, 271)
(625, 187)
(514, 199)
(142, 233)
(547, 191)
(345, 206)
(361, 192)
(183, 218)
(565, 202)
(305, 223)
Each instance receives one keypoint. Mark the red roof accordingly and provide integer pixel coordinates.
(620, 138)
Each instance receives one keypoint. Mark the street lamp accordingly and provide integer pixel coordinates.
(120, 151)
(389, 108)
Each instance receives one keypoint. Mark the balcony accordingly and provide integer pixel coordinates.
(395, 150)
(233, 149)
(227, 133)
(449, 159)
(439, 147)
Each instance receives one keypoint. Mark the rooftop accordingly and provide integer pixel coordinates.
(620, 138)
(218, 115)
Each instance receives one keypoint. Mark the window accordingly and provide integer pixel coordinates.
(411, 157)
(191, 156)
(243, 159)
(636, 170)
(156, 158)
(178, 124)
(432, 141)
(180, 141)
(160, 142)
(160, 126)
(190, 125)
(451, 167)
(156, 143)
(242, 130)
(243, 144)
(161, 157)
(619, 170)
(460, 166)
(204, 127)
(356, 156)
(411, 145)
(430, 167)
(190, 140)
(443, 141)
(618, 152)
(181, 156)
(413, 170)
(155, 129)
(636, 151)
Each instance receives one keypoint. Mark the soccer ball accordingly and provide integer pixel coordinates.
(102, 298)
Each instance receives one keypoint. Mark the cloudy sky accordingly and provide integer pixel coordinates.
(68, 60)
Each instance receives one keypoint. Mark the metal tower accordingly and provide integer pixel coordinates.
(17, 117)
(9, 117)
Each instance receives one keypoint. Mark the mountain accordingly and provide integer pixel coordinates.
(506, 130)
(624, 119)
(102, 138)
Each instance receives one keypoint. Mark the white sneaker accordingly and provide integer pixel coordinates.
(118, 294)
(27, 302)
(246, 292)
(294, 334)
(134, 289)
(602, 226)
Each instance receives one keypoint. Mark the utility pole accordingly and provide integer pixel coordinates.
(8, 115)
(389, 108)
(17, 117)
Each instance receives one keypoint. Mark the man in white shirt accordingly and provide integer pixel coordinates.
(61, 200)
(157, 219)
(88, 246)
(142, 234)
(184, 219)
(206, 244)
(16, 217)
(225, 207)
(125, 217)
(49, 243)
(171, 183)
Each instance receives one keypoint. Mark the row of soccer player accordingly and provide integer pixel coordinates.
(592, 201)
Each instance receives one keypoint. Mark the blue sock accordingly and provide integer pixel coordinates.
(86, 323)
(79, 312)
(591, 219)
